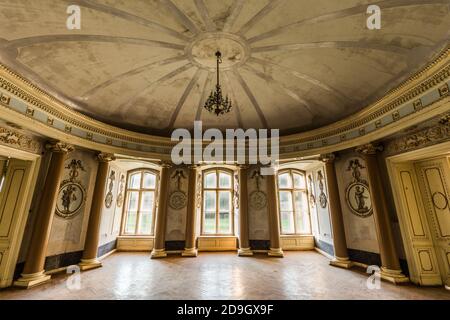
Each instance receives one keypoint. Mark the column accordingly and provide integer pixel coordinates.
(244, 244)
(189, 248)
(390, 265)
(89, 259)
(274, 217)
(159, 249)
(337, 223)
(33, 272)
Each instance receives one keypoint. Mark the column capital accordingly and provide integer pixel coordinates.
(369, 149)
(105, 157)
(166, 164)
(327, 157)
(59, 147)
(243, 166)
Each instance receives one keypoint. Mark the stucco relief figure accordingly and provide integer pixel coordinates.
(360, 199)
(119, 199)
(109, 196)
(323, 201)
(68, 196)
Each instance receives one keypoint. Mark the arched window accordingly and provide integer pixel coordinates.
(139, 210)
(217, 208)
(293, 202)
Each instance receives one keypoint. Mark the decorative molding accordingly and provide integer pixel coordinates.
(15, 139)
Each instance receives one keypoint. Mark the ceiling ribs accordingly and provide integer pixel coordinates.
(252, 98)
(29, 41)
(210, 26)
(257, 17)
(302, 76)
(125, 106)
(183, 98)
(234, 101)
(386, 4)
(129, 17)
(130, 73)
(286, 90)
(235, 11)
(359, 44)
(203, 96)
(181, 16)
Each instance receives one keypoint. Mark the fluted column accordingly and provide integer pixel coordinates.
(189, 249)
(244, 243)
(274, 217)
(33, 272)
(159, 249)
(337, 223)
(390, 265)
(89, 260)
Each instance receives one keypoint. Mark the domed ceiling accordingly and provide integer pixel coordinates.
(149, 65)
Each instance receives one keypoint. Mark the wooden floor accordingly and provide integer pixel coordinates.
(300, 275)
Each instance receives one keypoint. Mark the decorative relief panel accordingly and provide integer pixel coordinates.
(178, 198)
(71, 194)
(109, 198)
(357, 193)
(258, 199)
(323, 201)
(120, 196)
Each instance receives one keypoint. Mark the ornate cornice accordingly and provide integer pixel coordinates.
(419, 96)
(369, 149)
(59, 147)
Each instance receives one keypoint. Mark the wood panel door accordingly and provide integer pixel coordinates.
(12, 207)
(417, 236)
(434, 182)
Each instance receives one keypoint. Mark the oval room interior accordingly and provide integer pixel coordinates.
(225, 149)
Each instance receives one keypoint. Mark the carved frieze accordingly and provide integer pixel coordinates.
(423, 138)
(18, 140)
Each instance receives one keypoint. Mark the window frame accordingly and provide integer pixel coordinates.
(292, 190)
(217, 189)
(138, 213)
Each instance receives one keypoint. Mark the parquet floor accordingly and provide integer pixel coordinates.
(300, 275)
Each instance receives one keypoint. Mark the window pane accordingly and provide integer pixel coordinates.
(299, 181)
(131, 210)
(146, 212)
(210, 201)
(224, 180)
(149, 180)
(286, 201)
(287, 222)
(209, 223)
(135, 181)
(224, 201)
(284, 180)
(224, 222)
(301, 210)
(210, 180)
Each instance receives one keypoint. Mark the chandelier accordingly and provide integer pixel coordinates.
(216, 103)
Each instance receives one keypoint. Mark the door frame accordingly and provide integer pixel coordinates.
(438, 150)
(30, 178)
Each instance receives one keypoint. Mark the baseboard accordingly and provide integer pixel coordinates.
(324, 253)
